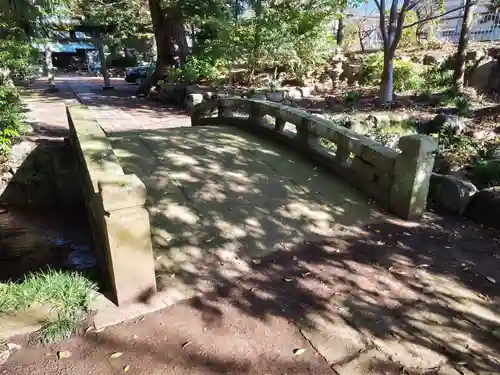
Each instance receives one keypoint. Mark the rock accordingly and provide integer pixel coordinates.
(351, 72)
(453, 124)
(305, 91)
(450, 192)
(493, 52)
(433, 59)
(320, 88)
(275, 96)
(258, 96)
(293, 94)
(473, 56)
(484, 207)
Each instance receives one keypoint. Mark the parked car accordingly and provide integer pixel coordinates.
(139, 73)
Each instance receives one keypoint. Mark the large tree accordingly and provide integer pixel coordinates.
(391, 28)
(459, 73)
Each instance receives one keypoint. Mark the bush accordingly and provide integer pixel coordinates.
(195, 69)
(406, 74)
(437, 78)
(10, 117)
(18, 56)
(462, 104)
(352, 98)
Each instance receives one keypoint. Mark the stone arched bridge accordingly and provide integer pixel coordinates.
(190, 207)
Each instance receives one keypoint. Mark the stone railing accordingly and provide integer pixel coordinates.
(115, 204)
(398, 181)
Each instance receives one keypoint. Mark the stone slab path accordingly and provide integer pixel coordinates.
(277, 256)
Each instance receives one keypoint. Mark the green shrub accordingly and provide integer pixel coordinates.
(18, 56)
(437, 78)
(462, 104)
(406, 74)
(194, 69)
(352, 98)
(10, 117)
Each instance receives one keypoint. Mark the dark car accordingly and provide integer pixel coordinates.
(139, 74)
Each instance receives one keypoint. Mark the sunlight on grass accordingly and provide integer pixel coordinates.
(68, 294)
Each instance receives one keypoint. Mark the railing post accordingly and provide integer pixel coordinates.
(127, 233)
(192, 101)
(256, 116)
(223, 111)
(412, 172)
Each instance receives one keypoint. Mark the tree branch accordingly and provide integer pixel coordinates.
(434, 17)
(381, 7)
(399, 26)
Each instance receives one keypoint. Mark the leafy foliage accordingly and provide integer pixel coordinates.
(195, 70)
(10, 117)
(18, 57)
(406, 74)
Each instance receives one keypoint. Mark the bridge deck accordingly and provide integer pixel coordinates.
(219, 198)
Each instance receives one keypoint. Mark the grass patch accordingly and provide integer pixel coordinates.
(68, 294)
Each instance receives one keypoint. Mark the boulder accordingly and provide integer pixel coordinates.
(484, 207)
(305, 91)
(293, 94)
(434, 59)
(452, 124)
(451, 193)
(275, 96)
(351, 72)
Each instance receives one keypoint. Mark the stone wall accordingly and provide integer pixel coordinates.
(397, 180)
(115, 204)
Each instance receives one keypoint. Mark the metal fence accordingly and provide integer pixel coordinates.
(485, 28)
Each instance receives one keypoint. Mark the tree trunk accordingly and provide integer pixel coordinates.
(257, 40)
(171, 42)
(387, 81)
(458, 76)
(340, 32)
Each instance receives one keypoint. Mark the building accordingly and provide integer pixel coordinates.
(485, 26)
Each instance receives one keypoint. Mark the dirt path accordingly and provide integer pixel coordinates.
(391, 299)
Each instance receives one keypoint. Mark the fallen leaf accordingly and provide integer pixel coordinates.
(186, 344)
(13, 346)
(287, 279)
(115, 355)
(298, 351)
(4, 356)
(491, 279)
(126, 368)
(99, 330)
(63, 354)
(256, 261)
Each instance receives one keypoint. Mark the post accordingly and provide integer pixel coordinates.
(128, 246)
(412, 172)
(192, 101)
(102, 57)
(49, 67)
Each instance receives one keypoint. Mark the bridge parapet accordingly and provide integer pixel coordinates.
(397, 179)
(115, 204)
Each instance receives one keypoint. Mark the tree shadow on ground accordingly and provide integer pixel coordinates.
(232, 212)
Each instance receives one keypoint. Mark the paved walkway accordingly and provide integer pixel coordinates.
(278, 256)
